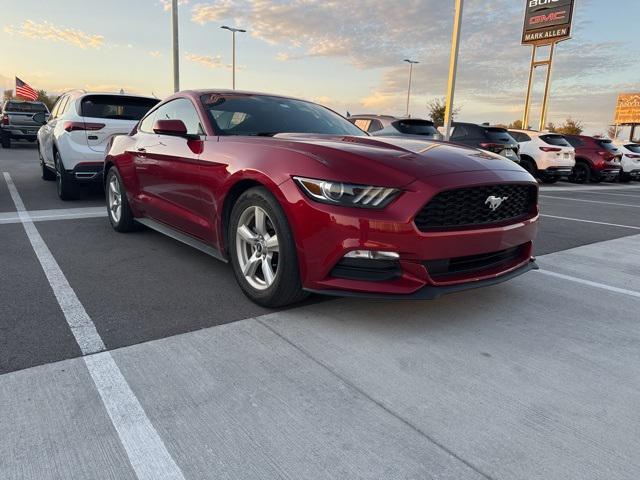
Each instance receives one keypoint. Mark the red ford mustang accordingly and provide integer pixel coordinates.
(300, 200)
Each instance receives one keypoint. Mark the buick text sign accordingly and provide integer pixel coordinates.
(547, 21)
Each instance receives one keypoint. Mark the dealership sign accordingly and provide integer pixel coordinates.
(547, 21)
(628, 109)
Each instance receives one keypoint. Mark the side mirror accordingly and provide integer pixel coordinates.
(40, 118)
(177, 128)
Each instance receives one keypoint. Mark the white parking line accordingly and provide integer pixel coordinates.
(591, 221)
(146, 450)
(55, 214)
(602, 286)
(628, 195)
(590, 201)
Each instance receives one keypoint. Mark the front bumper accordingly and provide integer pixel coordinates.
(431, 292)
(325, 233)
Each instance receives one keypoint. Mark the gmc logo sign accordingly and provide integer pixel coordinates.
(540, 3)
(547, 18)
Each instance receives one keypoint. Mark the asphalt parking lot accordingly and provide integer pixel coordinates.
(134, 356)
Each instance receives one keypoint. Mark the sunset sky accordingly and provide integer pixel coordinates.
(345, 54)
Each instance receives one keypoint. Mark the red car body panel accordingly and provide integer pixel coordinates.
(188, 184)
(602, 164)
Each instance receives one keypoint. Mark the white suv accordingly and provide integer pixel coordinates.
(71, 145)
(630, 160)
(547, 156)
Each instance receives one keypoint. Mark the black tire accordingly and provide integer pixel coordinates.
(287, 286)
(127, 222)
(66, 187)
(47, 174)
(624, 177)
(550, 180)
(529, 166)
(581, 173)
(6, 142)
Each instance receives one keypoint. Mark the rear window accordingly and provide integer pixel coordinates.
(116, 107)
(416, 127)
(574, 141)
(25, 107)
(634, 147)
(608, 145)
(520, 137)
(557, 140)
(499, 135)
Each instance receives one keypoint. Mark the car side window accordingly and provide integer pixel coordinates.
(63, 106)
(67, 105)
(146, 125)
(363, 124)
(375, 126)
(459, 132)
(575, 142)
(181, 109)
(56, 107)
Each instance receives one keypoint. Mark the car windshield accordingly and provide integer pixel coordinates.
(416, 127)
(499, 135)
(262, 115)
(557, 140)
(116, 107)
(634, 147)
(608, 145)
(25, 107)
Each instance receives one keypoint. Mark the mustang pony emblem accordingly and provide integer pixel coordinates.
(494, 202)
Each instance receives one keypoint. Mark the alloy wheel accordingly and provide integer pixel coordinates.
(115, 199)
(257, 248)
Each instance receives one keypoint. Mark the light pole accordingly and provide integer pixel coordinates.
(410, 62)
(176, 54)
(453, 66)
(233, 33)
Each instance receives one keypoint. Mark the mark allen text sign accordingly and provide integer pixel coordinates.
(628, 109)
(547, 21)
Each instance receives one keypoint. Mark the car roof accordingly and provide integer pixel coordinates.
(82, 93)
(534, 132)
(374, 115)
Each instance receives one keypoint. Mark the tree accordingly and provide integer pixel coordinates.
(437, 108)
(8, 94)
(570, 127)
(44, 97)
(613, 132)
(516, 125)
(551, 127)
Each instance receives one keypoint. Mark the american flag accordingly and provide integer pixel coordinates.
(25, 91)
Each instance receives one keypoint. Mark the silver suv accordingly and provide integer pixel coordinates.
(389, 126)
(20, 120)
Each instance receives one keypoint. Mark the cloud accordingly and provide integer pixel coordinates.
(369, 34)
(155, 54)
(48, 31)
(206, 60)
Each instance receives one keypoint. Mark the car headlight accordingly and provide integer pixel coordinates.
(346, 194)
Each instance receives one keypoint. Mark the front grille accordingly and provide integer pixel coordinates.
(442, 269)
(468, 207)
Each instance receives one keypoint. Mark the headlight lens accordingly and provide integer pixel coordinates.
(346, 194)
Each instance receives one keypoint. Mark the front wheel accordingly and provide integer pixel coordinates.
(6, 142)
(262, 250)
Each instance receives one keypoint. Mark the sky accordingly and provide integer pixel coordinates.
(346, 54)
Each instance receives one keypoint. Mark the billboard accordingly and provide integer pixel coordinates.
(628, 109)
(547, 21)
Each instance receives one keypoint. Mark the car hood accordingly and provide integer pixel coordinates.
(398, 159)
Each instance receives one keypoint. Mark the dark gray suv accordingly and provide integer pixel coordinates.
(21, 120)
(389, 126)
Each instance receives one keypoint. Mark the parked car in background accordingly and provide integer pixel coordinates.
(630, 160)
(547, 156)
(71, 145)
(388, 126)
(597, 159)
(486, 137)
(20, 120)
(298, 199)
